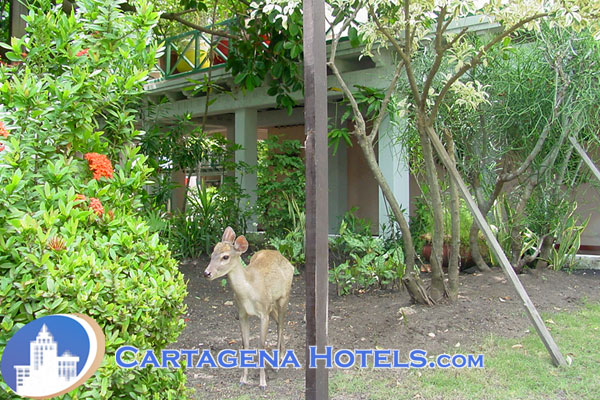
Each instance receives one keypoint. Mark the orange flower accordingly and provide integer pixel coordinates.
(3, 131)
(79, 197)
(100, 165)
(110, 214)
(96, 205)
(82, 52)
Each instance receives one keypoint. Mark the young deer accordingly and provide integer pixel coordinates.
(261, 289)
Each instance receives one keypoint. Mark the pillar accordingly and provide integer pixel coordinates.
(245, 136)
(394, 164)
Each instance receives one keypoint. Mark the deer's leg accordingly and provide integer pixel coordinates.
(264, 327)
(283, 305)
(245, 327)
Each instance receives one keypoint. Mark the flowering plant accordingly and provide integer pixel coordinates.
(72, 241)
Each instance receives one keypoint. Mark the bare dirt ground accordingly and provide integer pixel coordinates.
(487, 305)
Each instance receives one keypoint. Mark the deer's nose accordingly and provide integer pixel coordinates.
(207, 274)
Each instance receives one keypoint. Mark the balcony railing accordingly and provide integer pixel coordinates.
(187, 53)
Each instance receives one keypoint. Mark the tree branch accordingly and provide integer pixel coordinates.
(460, 34)
(409, 72)
(336, 39)
(384, 103)
(359, 120)
(177, 17)
(216, 32)
(439, 51)
(530, 258)
(477, 59)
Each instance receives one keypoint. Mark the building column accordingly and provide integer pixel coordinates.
(394, 165)
(245, 136)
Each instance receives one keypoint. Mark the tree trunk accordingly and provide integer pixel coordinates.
(484, 207)
(516, 241)
(454, 257)
(474, 247)
(438, 286)
(411, 280)
(547, 245)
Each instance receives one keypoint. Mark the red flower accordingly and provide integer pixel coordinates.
(100, 165)
(96, 205)
(2, 147)
(57, 243)
(3, 131)
(82, 52)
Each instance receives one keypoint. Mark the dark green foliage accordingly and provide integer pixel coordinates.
(361, 261)
(291, 245)
(208, 210)
(280, 179)
(271, 51)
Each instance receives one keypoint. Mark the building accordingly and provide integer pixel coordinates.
(47, 372)
(246, 117)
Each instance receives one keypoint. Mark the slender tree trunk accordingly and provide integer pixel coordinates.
(516, 241)
(454, 258)
(532, 182)
(438, 286)
(411, 280)
(547, 245)
(484, 207)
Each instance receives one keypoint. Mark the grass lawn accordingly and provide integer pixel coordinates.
(514, 368)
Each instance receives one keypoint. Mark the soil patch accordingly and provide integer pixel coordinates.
(487, 305)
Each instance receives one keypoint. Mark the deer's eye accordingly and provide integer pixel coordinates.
(225, 257)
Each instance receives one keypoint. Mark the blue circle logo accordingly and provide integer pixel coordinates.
(52, 355)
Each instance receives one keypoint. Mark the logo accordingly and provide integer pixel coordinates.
(52, 355)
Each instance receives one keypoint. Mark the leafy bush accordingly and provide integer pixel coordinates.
(280, 169)
(71, 236)
(568, 236)
(207, 210)
(421, 226)
(360, 260)
(292, 244)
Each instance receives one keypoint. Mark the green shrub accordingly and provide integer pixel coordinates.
(291, 245)
(208, 210)
(361, 261)
(280, 169)
(72, 239)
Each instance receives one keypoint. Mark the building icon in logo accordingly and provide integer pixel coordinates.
(46, 369)
(52, 355)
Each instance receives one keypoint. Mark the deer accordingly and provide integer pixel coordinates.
(261, 289)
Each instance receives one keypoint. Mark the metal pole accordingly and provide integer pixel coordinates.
(315, 115)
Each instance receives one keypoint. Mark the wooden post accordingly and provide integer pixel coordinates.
(315, 116)
(588, 161)
(534, 316)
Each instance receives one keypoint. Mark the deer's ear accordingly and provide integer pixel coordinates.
(228, 235)
(241, 244)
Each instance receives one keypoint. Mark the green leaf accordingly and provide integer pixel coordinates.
(353, 37)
